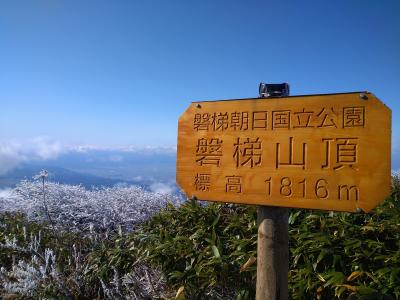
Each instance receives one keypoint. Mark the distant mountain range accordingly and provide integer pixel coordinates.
(148, 168)
(152, 168)
(60, 175)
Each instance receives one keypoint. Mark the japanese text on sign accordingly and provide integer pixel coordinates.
(324, 151)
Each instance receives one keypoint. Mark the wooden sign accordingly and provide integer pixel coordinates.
(328, 152)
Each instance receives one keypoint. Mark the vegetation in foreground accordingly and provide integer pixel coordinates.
(197, 251)
(332, 255)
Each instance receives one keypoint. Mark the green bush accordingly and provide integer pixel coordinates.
(210, 251)
(348, 256)
(202, 247)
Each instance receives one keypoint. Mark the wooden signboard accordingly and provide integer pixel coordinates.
(329, 152)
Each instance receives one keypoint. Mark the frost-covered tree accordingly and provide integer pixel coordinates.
(63, 269)
(75, 208)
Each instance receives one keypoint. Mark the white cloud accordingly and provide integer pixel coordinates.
(12, 153)
(149, 149)
(162, 188)
(131, 148)
(45, 148)
(9, 157)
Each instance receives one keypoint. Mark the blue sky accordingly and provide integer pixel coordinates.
(117, 73)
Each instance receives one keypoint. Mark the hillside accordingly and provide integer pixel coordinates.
(114, 243)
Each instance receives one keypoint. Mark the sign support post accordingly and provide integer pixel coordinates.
(327, 151)
(272, 253)
(273, 234)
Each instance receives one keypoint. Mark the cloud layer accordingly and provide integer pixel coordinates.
(9, 158)
(163, 188)
(13, 153)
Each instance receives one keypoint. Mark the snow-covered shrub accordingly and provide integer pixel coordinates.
(39, 263)
(27, 278)
(52, 238)
(141, 283)
(75, 208)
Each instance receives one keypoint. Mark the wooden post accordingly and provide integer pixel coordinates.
(272, 253)
(273, 235)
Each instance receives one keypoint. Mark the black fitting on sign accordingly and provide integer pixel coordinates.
(268, 90)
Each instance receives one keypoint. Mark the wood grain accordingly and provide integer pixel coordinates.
(329, 152)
